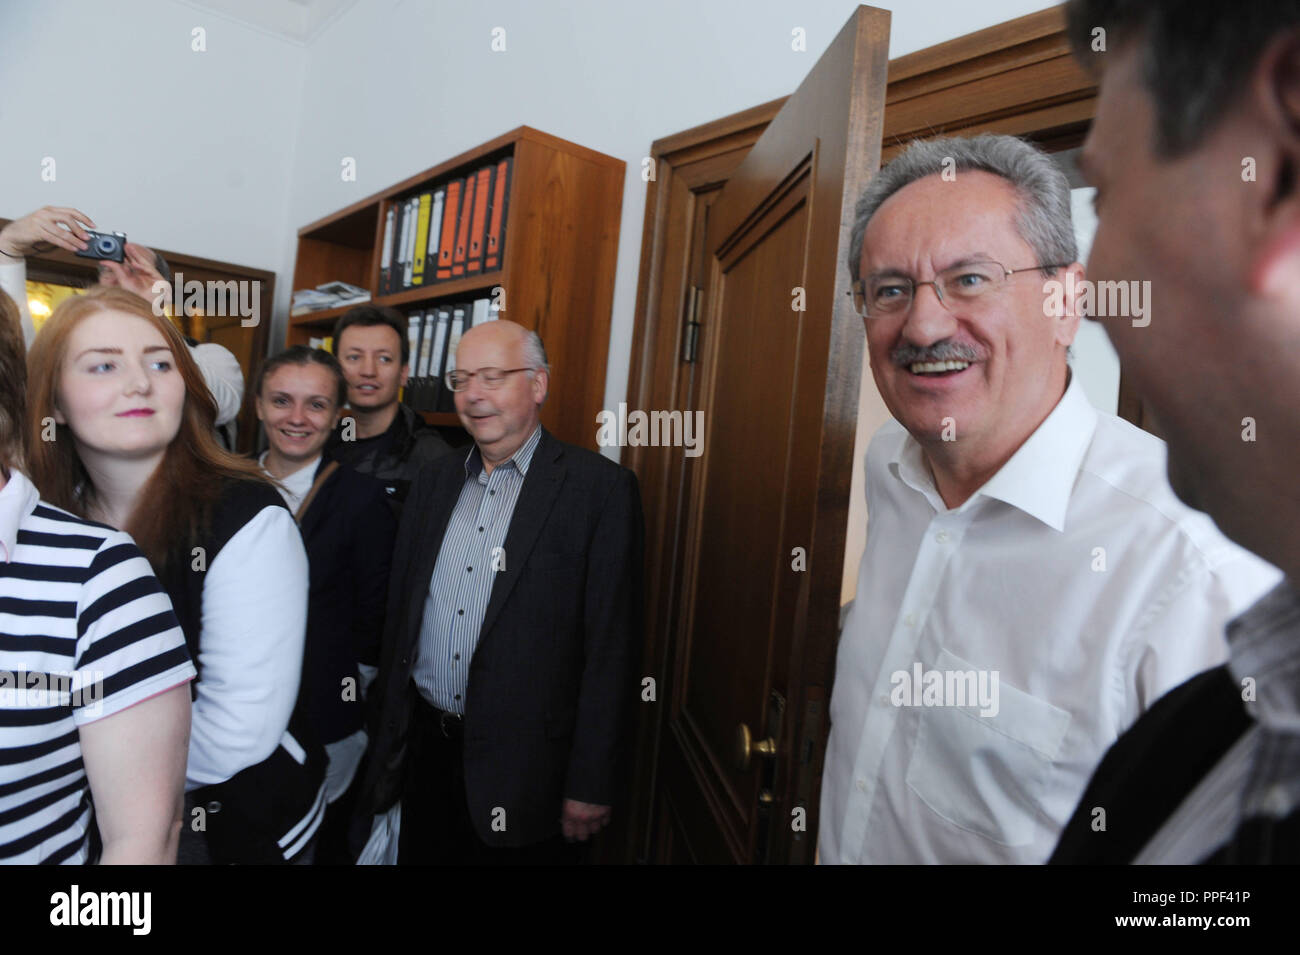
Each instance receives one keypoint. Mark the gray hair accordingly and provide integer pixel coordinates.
(1043, 220)
(535, 353)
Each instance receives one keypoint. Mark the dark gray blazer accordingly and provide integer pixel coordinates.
(552, 680)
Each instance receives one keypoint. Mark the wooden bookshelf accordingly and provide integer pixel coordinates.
(557, 271)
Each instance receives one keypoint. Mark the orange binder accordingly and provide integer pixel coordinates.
(450, 213)
(461, 253)
(496, 234)
(478, 225)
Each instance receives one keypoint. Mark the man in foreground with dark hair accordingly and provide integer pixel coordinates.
(389, 441)
(1195, 153)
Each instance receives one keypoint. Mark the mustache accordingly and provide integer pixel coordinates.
(945, 350)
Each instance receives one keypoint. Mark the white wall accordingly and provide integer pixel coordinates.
(401, 86)
(226, 153)
(1095, 360)
(179, 149)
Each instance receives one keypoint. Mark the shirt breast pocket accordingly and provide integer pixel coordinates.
(987, 774)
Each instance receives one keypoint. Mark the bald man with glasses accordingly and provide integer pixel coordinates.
(1030, 584)
(513, 630)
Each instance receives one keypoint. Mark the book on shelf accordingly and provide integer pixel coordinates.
(494, 243)
(454, 331)
(327, 295)
(421, 238)
(450, 230)
(386, 260)
(433, 336)
(412, 357)
(478, 220)
(433, 370)
(435, 236)
(408, 255)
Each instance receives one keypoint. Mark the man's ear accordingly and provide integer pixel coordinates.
(1067, 323)
(1275, 87)
(541, 385)
(406, 375)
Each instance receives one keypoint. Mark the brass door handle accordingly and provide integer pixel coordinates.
(747, 746)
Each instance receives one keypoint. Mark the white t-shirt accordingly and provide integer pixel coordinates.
(294, 487)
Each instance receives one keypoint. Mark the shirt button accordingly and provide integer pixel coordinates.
(884, 699)
(494, 494)
(457, 696)
(941, 537)
(910, 620)
(480, 530)
(862, 785)
(458, 656)
(468, 569)
(460, 613)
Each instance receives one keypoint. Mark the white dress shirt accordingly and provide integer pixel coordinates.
(1075, 577)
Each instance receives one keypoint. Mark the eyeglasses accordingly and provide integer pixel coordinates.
(886, 295)
(491, 377)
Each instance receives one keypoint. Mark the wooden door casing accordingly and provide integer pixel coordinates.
(1017, 77)
(780, 360)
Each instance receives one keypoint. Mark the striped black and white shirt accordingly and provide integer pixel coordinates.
(1258, 778)
(86, 631)
(472, 554)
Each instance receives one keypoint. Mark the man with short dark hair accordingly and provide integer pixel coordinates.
(389, 441)
(1195, 153)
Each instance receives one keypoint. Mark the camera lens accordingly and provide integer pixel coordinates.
(106, 245)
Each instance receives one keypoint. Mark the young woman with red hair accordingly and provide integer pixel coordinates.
(120, 432)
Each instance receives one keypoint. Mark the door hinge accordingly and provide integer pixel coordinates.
(691, 340)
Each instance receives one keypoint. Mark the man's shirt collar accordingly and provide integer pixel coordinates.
(1038, 479)
(18, 499)
(520, 459)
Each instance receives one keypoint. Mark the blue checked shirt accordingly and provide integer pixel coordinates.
(473, 552)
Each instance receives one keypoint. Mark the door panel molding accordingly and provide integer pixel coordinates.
(1016, 77)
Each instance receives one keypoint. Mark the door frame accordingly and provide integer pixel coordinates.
(1017, 77)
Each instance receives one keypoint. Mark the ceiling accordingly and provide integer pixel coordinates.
(297, 21)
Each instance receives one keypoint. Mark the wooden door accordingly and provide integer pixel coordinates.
(779, 355)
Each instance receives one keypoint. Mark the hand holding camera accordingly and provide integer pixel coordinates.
(136, 273)
(55, 226)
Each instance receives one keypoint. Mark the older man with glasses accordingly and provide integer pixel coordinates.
(513, 630)
(1030, 583)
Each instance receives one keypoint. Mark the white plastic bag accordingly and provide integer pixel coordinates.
(381, 847)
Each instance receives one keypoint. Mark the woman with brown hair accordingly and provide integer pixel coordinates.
(120, 431)
(93, 672)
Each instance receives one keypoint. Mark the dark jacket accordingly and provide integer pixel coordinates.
(552, 679)
(393, 458)
(1155, 765)
(251, 812)
(349, 531)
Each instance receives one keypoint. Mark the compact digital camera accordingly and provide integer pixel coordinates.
(105, 245)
